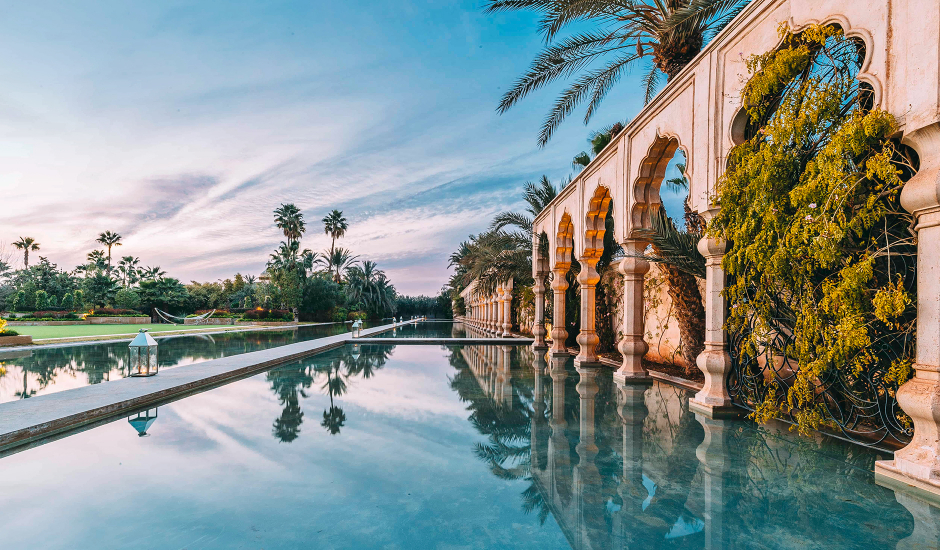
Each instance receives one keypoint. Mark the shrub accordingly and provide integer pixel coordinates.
(19, 301)
(127, 299)
(219, 314)
(67, 302)
(261, 314)
(50, 316)
(339, 314)
(78, 300)
(115, 312)
(42, 299)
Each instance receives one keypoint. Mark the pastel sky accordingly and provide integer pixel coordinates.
(182, 125)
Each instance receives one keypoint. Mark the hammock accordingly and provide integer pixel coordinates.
(197, 320)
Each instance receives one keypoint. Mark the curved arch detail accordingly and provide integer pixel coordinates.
(595, 222)
(645, 190)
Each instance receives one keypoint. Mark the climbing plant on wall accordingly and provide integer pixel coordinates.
(821, 260)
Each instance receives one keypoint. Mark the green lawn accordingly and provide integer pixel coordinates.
(104, 330)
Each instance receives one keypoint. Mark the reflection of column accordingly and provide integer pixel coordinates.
(559, 441)
(538, 327)
(919, 397)
(714, 454)
(538, 416)
(714, 361)
(633, 347)
(559, 334)
(631, 401)
(926, 523)
(591, 499)
(505, 359)
(587, 337)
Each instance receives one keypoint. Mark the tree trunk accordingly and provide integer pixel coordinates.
(690, 314)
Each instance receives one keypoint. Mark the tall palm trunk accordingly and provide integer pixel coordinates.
(690, 314)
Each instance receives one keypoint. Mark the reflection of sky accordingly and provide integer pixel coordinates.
(183, 125)
(211, 475)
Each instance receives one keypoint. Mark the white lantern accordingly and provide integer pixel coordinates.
(143, 355)
(142, 421)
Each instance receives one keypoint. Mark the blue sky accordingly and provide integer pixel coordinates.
(182, 125)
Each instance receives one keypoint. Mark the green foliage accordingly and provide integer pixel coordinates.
(127, 298)
(68, 302)
(78, 300)
(165, 293)
(819, 243)
(100, 289)
(321, 298)
(19, 301)
(41, 301)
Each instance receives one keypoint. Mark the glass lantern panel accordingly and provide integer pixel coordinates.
(153, 360)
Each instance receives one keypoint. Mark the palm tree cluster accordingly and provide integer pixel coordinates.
(665, 35)
(294, 270)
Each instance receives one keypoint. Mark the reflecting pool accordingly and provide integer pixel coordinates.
(447, 447)
(32, 372)
(433, 329)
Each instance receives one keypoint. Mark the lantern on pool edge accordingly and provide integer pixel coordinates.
(143, 354)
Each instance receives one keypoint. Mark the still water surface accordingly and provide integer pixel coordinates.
(32, 372)
(447, 447)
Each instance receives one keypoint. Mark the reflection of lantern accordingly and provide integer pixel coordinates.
(355, 351)
(142, 421)
(143, 354)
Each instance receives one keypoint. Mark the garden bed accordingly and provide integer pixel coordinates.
(248, 322)
(93, 320)
(46, 323)
(209, 321)
(21, 340)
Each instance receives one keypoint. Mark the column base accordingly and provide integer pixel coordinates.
(553, 353)
(716, 412)
(540, 347)
(587, 364)
(633, 380)
(888, 475)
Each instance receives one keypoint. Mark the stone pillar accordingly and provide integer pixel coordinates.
(559, 334)
(538, 327)
(487, 311)
(587, 337)
(633, 346)
(507, 313)
(918, 464)
(494, 311)
(714, 454)
(505, 358)
(713, 400)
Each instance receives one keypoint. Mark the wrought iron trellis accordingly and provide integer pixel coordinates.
(859, 407)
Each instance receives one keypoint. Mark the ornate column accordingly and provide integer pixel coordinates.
(587, 337)
(559, 334)
(487, 306)
(918, 464)
(713, 400)
(505, 357)
(538, 327)
(494, 311)
(507, 312)
(633, 346)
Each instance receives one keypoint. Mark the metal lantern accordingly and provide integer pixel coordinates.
(142, 421)
(355, 352)
(143, 354)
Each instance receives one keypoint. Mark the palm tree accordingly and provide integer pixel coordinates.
(26, 244)
(670, 32)
(537, 196)
(97, 261)
(290, 220)
(152, 273)
(334, 225)
(338, 261)
(109, 239)
(127, 267)
(368, 285)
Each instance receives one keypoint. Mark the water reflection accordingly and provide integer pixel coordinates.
(48, 370)
(332, 371)
(630, 466)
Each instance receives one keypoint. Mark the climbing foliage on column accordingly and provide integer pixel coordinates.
(821, 259)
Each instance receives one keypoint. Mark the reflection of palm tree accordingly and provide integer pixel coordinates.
(26, 393)
(287, 383)
(287, 426)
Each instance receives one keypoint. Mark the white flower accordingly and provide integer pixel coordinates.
(812, 205)
(809, 218)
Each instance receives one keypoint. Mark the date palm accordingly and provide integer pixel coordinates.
(537, 196)
(26, 244)
(127, 267)
(338, 261)
(335, 225)
(109, 239)
(668, 32)
(152, 273)
(290, 220)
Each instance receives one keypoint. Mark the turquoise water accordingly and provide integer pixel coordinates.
(432, 329)
(447, 447)
(32, 372)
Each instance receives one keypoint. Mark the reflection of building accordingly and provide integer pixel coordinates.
(491, 366)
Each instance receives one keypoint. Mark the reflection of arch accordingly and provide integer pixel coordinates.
(651, 174)
(564, 243)
(594, 225)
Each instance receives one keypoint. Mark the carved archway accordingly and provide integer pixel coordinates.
(645, 189)
(594, 222)
(564, 243)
